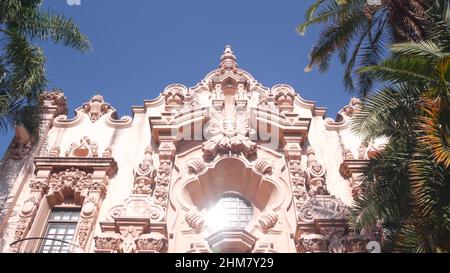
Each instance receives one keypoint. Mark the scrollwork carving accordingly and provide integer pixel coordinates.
(96, 108)
(195, 220)
(264, 166)
(268, 221)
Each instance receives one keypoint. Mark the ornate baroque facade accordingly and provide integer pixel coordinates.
(225, 166)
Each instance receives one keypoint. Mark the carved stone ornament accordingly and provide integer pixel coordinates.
(353, 106)
(55, 152)
(284, 97)
(228, 133)
(151, 242)
(347, 154)
(268, 221)
(355, 243)
(71, 179)
(313, 243)
(263, 166)
(137, 206)
(316, 184)
(108, 242)
(86, 148)
(196, 166)
(298, 179)
(175, 96)
(322, 207)
(195, 220)
(144, 174)
(96, 107)
(54, 99)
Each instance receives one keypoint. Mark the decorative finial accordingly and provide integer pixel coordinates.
(228, 59)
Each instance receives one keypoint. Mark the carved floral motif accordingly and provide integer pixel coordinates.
(108, 242)
(151, 243)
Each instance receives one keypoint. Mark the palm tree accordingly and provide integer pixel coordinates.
(22, 64)
(407, 185)
(359, 31)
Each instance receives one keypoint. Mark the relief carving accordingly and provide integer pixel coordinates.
(268, 220)
(195, 220)
(228, 133)
(313, 243)
(144, 174)
(152, 242)
(86, 148)
(96, 107)
(316, 175)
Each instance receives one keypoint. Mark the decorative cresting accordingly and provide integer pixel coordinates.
(228, 134)
(85, 180)
(228, 80)
(96, 107)
(284, 97)
(344, 115)
(174, 96)
(144, 174)
(54, 99)
(135, 226)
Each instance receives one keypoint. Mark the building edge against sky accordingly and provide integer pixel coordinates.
(280, 174)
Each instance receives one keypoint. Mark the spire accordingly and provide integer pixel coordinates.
(228, 59)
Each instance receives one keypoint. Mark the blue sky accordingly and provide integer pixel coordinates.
(139, 47)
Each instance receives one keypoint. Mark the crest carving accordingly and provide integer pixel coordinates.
(228, 133)
(96, 107)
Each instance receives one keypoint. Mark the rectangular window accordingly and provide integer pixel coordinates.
(60, 229)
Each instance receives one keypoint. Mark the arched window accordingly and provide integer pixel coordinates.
(61, 227)
(230, 211)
